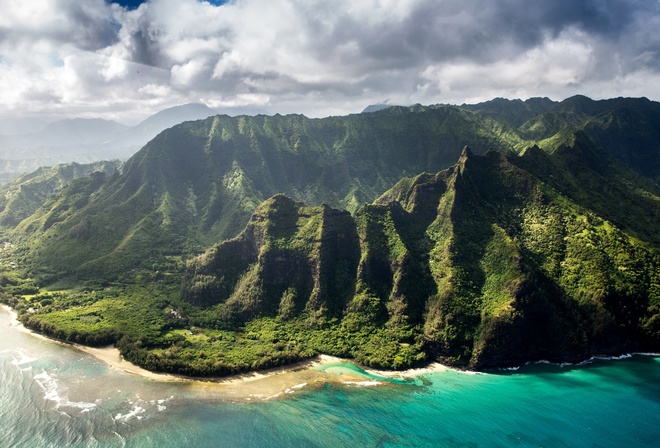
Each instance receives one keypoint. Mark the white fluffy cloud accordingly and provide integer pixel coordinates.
(557, 65)
(96, 58)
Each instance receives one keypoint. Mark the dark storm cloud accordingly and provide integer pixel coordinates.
(86, 25)
(91, 30)
(433, 31)
(477, 30)
(145, 49)
(343, 50)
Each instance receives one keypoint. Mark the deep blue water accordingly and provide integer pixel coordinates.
(52, 395)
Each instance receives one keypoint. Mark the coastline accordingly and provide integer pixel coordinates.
(260, 385)
(109, 355)
(277, 381)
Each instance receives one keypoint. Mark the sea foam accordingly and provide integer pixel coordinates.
(50, 387)
(363, 383)
(21, 357)
(160, 404)
(582, 363)
(135, 412)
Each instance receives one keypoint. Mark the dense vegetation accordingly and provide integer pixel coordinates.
(199, 182)
(22, 197)
(479, 265)
(545, 247)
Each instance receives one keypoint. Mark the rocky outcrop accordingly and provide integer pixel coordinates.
(486, 263)
(288, 259)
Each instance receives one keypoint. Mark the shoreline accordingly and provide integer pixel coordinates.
(111, 356)
(317, 372)
(258, 385)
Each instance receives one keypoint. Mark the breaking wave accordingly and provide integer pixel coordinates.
(52, 392)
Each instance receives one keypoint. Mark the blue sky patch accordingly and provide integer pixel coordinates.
(134, 4)
(130, 4)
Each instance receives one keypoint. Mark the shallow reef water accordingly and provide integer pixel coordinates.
(51, 395)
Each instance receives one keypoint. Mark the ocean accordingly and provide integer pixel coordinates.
(56, 396)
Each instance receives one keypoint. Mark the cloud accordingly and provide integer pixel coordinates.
(87, 25)
(556, 63)
(320, 57)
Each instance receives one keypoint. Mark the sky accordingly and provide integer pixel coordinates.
(127, 60)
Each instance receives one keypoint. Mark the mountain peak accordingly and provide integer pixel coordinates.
(466, 153)
(376, 107)
(532, 151)
(183, 111)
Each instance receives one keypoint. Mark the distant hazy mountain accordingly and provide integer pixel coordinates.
(375, 107)
(84, 140)
(63, 133)
(155, 124)
(79, 131)
(16, 126)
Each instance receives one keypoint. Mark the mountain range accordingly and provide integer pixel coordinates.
(489, 263)
(22, 197)
(362, 236)
(26, 145)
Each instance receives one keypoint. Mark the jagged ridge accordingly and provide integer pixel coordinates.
(199, 182)
(490, 264)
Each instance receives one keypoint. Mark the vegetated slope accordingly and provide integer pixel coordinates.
(481, 265)
(515, 112)
(596, 181)
(24, 196)
(198, 183)
(290, 257)
(626, 128)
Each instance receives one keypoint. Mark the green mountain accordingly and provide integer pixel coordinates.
(289, 258)
(541, 243)
(198, 183)
(486, 264)
(626, 128)
(22, 197)
(481, 265)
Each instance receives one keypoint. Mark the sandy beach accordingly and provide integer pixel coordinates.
(263, 385)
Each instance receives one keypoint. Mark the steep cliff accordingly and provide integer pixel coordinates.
(199, 182)
(289, 259)
(488, 264)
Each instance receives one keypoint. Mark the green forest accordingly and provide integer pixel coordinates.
(478, 236)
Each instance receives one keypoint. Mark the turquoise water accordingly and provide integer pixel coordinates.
(56, 396)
